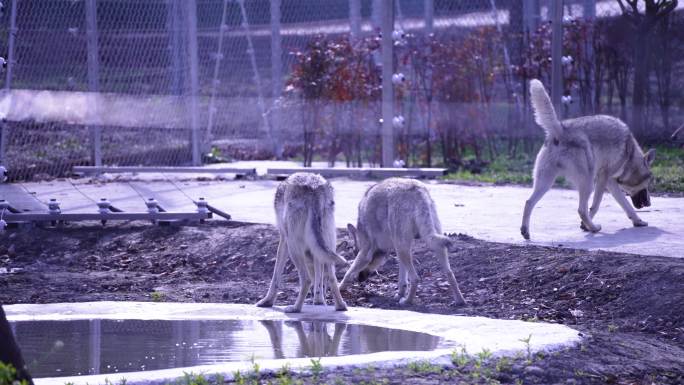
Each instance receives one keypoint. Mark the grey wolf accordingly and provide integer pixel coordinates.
(304, 207)
(391, 215)
(595, 153)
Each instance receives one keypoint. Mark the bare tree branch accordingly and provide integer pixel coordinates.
(622, 7)
(674, 134)
(634, 5)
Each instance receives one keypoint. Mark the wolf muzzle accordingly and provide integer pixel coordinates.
(641, 199)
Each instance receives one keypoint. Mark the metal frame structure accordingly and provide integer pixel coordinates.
(363, 172)
(247, 171)
(106, 212)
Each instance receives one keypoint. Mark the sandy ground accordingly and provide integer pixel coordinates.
(491, 213)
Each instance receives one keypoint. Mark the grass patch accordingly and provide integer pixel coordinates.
(668, 171)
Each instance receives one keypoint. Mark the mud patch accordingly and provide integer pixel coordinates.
(630, 307)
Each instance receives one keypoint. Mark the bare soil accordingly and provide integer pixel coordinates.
(630, 308)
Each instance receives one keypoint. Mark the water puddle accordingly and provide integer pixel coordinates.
(81, 347)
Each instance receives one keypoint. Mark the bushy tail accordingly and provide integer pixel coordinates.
(319, 244)
(544, 113)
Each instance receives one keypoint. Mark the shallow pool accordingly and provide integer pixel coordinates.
(81, 347)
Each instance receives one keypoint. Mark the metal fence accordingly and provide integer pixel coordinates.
(173, 82)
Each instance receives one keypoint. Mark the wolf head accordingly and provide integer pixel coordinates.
(636, 178)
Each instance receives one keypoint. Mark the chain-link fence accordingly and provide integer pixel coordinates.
(173, 82)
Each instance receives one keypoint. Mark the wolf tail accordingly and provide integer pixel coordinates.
(322, 231)
(544, 113)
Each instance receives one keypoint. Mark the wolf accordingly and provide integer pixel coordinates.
(304, 207)
(594, 153)
(391, 215)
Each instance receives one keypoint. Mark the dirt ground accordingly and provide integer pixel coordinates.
(630, 308)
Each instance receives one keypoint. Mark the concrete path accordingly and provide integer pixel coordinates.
(490, 213)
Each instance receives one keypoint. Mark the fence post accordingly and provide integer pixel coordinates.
(175, 46)
(354, 19)
(387, 87)
(276, 77)
(194, 81)
(556, 53)
(429, 17)
(4, 131)
(531, 16)
(93, 81)
(590, 16)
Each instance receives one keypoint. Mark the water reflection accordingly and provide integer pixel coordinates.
(62, 348)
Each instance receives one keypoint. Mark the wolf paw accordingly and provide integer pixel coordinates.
(639, 223)
(525, 232)
(459, 301)
(405, 301)
(341, 307)
(292, 309)
(583, 227)
(265, 302)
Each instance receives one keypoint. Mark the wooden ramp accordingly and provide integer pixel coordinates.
(20, 198)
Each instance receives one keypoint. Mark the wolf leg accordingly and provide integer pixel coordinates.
(543, 180)
(340, 305)
(596, 202)
(319, 284)
(584, 189)
(443, 258)
(401, 284)
(304, 281)
(281, 259)
(626, 207)
(405, 258)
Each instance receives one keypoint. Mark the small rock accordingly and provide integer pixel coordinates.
(534, 370)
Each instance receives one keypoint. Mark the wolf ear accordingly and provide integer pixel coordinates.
(650, 156)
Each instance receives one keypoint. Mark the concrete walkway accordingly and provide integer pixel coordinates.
(490, 213)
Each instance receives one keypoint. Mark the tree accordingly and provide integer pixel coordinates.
(643, 24)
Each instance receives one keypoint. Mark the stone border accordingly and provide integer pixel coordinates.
(500, 337)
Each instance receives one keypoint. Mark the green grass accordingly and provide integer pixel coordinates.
(8, 375)
(668, 170)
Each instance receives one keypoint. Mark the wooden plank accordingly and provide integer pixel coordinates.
(362, 172)
(123, 216)
(170, 170)
(20, 198)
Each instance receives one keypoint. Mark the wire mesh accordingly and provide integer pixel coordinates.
(301, 79)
